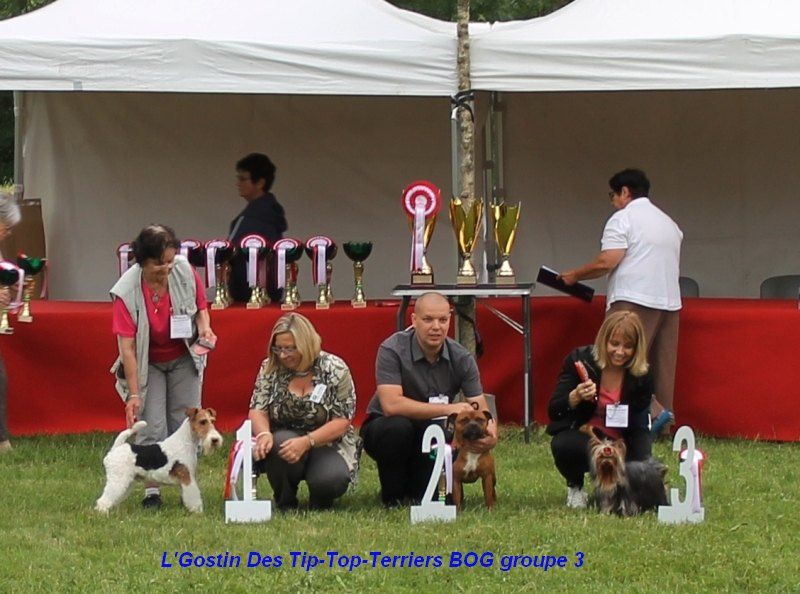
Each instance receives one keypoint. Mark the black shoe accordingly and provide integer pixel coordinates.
(152, 502)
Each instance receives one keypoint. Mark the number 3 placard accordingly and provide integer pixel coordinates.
(690, 509)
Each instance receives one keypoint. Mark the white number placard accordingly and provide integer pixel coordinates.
(433, 511)
(248, 509)
(690, 509)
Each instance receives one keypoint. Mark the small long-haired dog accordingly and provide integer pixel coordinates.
(621, 488)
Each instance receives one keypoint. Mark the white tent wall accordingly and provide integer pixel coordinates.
(723, 164)
(106, 164)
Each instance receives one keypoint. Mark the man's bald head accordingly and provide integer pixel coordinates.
(428, 300)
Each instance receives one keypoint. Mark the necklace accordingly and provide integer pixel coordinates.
(301, 373)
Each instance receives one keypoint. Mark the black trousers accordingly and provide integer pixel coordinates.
(571, 452)
(323, 469)
(395, 443)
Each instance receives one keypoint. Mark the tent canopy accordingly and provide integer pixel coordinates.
(604, 45)
(347, 47)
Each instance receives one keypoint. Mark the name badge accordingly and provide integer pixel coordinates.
(317, 393)
(180, 326)
(617, 415)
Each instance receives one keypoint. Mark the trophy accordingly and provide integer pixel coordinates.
(421, 201)
(358, 251)
(124, 257)
(256, 248)
(9, 276)
(219, 253)
(288, 251)
(467, 225)
(31, 267)
(321, 250)
(505, 232)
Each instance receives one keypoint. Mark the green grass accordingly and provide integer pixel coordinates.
(52, 541)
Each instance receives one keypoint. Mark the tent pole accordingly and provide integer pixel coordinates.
(18, 164)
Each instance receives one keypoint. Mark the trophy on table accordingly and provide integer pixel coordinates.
(358, 251)
(124, 257)
(10, 275)
(322, 250)
(194, 251)
(421, 202)
(466, 225)
(506, 219)
(255, 249)
(287, 252)
(31, 267)
(219, 253)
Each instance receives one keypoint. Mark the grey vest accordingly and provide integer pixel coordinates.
(183, 296)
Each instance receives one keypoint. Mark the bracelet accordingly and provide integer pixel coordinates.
(311, 440)
(263, 433)
(132, 396)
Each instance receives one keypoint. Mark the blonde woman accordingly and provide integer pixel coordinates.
(301, 412)
(9, 217)
(615, 400)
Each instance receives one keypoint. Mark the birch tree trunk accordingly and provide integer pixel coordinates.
(466, 330)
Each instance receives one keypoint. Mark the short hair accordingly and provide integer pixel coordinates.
(153, 241)
(259, 167)
(9, 210)
(629, 324)
(306, 339)
(634, 179)
(427, 297)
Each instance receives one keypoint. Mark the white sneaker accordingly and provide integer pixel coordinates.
(577, 498)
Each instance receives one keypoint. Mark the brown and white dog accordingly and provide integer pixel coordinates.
(172, 461)
(470, 426)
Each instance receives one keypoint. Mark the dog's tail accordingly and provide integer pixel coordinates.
(125, 435)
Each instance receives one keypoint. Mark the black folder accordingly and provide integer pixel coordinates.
(548, 276)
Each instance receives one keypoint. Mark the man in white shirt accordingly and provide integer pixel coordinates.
(640, 251)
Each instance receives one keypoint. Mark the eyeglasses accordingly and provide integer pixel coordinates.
(611, 194)
(243, 177)
(283, 350)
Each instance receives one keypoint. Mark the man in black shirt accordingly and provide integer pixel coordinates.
(263, 215)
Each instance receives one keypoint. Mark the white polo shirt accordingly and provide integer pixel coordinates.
(648, 273)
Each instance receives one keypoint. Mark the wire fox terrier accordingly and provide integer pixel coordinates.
(172, 461)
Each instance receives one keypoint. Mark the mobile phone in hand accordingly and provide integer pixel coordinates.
(582, 373)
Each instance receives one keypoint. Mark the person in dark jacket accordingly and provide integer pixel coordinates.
(614, 400)
(263, 215)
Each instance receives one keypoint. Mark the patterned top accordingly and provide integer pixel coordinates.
(302, 414)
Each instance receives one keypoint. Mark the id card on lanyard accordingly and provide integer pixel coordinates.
(180, 326)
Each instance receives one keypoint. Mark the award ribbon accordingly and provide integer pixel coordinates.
(17, 303)
(123, 253)
(253, 243)
(418, 245)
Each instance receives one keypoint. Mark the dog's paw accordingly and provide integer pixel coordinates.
(101, 509)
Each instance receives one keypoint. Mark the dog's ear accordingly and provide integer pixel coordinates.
(190, 412)
(474, 405)
(488, 415)
(620, 445)
(212, 412)
(451, 421)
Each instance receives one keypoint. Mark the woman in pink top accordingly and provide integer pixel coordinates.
(614, 398)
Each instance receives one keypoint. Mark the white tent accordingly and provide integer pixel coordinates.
(349, 98)
(701, 94)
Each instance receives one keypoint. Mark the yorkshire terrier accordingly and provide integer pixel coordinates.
(624, 489)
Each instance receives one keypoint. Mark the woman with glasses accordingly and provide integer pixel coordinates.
(301, 412)
(159, 312)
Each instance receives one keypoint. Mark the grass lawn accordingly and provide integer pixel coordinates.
(54, 542)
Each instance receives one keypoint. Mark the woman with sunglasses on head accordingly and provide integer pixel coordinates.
(301, 412)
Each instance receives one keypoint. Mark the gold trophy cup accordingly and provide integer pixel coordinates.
(321, 250)
(9, 276)
(254, 249)
(358, 251)
(506, 219)
(467, 226)
(287, 252)
(32, 267)
(219, 253)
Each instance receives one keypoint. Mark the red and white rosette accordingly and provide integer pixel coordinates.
(421, 201)
(17, 303)
(187, 245)
(319, 246)
(280, 247)
(124, 252)
(211, 259)
(253, 245)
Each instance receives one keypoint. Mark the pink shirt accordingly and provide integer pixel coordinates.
(162, 347)
(598, 420)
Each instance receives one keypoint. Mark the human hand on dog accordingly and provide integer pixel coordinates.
(293, 449)
(263, 445)
(585, 391)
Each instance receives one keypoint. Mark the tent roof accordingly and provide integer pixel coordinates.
(346, 47)
(595, 45)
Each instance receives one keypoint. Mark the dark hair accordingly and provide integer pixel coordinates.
(634, 179)
(259, 167)
(153, 241)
